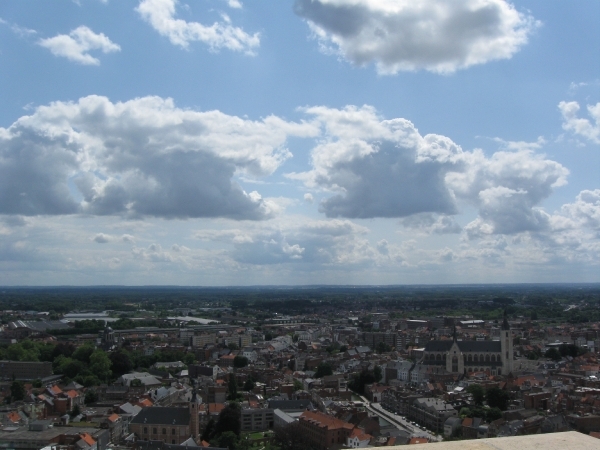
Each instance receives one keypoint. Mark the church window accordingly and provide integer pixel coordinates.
(493, 358)
(475, 358)
(469, 358)
(487, 358)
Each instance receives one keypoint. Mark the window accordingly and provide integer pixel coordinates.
(173, 431)
(154, 431)
(164, 431)
(145, 430)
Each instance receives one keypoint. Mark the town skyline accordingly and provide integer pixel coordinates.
(331, 142)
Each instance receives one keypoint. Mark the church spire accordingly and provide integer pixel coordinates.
(454, 333)
(505, 325)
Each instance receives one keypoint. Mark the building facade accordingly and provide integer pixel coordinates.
(464, 357)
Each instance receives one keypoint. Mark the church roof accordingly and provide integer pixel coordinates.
(438, 346)
(163, 416)
(464, 346)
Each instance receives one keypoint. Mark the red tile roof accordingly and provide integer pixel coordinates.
(323, 420)
(89, 440)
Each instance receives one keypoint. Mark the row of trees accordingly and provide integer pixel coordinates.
(493, 396)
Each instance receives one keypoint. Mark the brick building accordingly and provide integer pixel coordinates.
(323, 431)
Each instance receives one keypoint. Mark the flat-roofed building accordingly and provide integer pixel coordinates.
(25, 370)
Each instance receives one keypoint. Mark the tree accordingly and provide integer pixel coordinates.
(240, 361)
(17, 391)
(100, 365)
(83, 353)
(75, 411)
(497, 398)
(227, 440)
(382, 347)
(121, 362)
(358, 381)
(249, 384)
(298, 386)
(229, 420)
(377, 374)
(477, 392)
(209, 430)
(323, 369)
(232, 388)
(232, 346)
(189, 359)
(553, 354)
(492, 414)
(90, 396)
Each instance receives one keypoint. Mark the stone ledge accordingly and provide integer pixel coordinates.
(570, 440)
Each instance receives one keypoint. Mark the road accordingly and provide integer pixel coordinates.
(377, 409)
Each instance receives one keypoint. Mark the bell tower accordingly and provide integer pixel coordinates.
(194, 415)
(506, 345)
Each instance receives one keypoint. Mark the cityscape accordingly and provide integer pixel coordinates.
(287, 368)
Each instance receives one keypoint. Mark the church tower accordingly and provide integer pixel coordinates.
(506, 344)
(194, 415)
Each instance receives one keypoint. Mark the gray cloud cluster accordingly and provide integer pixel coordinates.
(436, 35)
(333, 242)
(144, 157)
(385, 168)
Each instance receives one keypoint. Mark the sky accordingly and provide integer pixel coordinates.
(299, 142)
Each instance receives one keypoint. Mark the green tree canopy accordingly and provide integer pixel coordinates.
(323, 369)
(497, 398)
(477, 392)
(240, 361)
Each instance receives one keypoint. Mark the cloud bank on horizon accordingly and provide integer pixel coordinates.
(214, 168)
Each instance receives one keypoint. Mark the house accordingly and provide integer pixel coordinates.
(358, 439)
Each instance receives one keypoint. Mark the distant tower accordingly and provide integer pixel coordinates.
(108, 337)
(506, 345)
(194, 415)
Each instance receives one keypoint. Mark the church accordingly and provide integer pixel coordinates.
(464, 357)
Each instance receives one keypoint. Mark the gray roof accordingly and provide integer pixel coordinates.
(163, 416)
(464, 346)
(289, 404)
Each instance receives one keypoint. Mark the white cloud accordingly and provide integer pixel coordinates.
(436, 35)
(308, 198)
(144, 157)
(20, 31)
(78, 43)
(236, 4)
(160, 14)
(585, 211)
(582, 127)
(102, 238)
(507, 189)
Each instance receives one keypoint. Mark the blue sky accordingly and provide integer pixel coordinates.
(225, 142)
